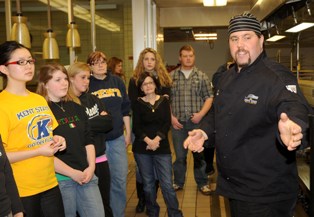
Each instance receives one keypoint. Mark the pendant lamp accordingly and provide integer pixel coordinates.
(19, 30)
(73, 38)
(50, 46)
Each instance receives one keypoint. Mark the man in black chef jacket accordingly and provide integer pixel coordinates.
(259, 119)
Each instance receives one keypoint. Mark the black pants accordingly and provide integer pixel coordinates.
(273, 209)
(103, 173)
(209, 153)
(46, 204)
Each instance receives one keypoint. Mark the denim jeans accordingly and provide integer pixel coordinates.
(84, 199)
(118, 165)
(161, 164)
(179, 166)
(47, 203)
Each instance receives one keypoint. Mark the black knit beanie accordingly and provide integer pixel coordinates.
(244, 22)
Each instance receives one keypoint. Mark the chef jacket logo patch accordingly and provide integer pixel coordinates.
(292, 88)
(251, 99)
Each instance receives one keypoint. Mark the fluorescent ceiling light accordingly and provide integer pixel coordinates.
(300, 27)
(205, 38)
(275, 38)
(211, 3)
(84, 14)
(205, 35)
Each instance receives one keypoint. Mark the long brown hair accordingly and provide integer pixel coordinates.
(112, 63)
(163, 75)
(45, 74)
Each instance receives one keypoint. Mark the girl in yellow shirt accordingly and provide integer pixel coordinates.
(26, 128)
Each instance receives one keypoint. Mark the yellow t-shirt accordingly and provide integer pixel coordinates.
(26, 123)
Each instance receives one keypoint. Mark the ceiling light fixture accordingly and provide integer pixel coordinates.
(73, 37)
(204, 36)
(275, 38)
(20, 32)
(50, 45)
(212, 3)
(84, 14)
(300, 27)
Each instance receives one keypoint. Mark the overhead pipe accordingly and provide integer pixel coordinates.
(70, 16)
(278, 55)
(291, 59)
(298, 55)
(294, 16)
(8, 18)
(92, 24)
(73, 37)
(50, 45)
(291, 55)
(308, 7)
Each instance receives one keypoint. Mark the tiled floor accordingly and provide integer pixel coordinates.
(192, 202)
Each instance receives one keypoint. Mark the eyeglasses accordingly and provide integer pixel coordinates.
(99, 63)
(148, 83)
(21, 62)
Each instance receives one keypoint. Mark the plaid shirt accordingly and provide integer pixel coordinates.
(188, 95)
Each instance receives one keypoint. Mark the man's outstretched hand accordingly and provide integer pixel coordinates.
(290, 132)
(195, 141)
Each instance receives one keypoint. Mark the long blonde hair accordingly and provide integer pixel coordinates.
(73, 70)
(163, 75)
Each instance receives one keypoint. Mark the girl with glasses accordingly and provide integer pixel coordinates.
(112, 92)
(151, 123)
(26, 128)
(148, 61)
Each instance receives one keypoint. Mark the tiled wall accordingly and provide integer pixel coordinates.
(128, 41)
(117, 44)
